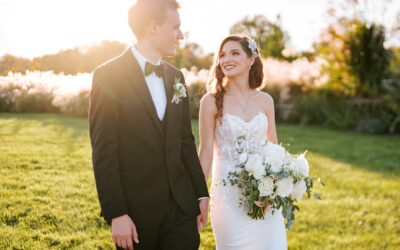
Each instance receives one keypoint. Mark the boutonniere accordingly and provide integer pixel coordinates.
(179, 91)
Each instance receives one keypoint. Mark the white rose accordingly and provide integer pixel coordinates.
(289, 164)
(254, 162)
(259, 172)
(242, 158)
(266, 186)
(284, 187)
(302, 165)
(274, 156)
(299, 189)
(292, 166)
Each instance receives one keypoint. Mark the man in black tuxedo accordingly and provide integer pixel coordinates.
(148, 177)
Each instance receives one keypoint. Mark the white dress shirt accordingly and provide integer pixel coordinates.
(154, 83)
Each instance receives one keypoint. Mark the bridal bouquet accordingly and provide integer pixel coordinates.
(271, 177)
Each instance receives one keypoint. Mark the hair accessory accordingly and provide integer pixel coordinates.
(253, 47)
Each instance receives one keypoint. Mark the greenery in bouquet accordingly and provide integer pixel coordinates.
(271, 177)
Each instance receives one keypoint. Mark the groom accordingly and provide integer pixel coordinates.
(150, 184)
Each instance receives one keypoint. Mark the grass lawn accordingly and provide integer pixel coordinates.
(48, 197)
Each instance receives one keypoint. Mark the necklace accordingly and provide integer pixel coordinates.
(244, 108)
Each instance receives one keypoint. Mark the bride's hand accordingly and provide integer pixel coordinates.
(203, 217)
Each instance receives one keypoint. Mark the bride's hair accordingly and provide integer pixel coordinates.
(216, 83)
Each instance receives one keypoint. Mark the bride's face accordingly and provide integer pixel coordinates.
(233, 60)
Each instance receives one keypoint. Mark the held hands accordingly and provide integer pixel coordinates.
(123, 231)
(203, 217)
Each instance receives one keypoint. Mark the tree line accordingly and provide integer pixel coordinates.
(86, 59)
(270, 36)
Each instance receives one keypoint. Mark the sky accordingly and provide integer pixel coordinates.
(33, 28)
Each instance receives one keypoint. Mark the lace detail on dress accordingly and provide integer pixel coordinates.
(226, 133)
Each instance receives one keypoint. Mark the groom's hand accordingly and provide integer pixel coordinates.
(203, 217)
(123, 231)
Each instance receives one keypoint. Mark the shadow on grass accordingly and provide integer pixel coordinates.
(377, 153)
(68, 134)
(78, 126)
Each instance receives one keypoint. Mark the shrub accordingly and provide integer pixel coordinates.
(372, 126)
(196, 90)
(34, 102)
(76, 105)
(323, 108)
(308, 108)
(6, 98)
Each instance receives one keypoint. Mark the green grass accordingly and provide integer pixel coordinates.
(48, 197)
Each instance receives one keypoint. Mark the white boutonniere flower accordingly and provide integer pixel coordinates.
(179, 91)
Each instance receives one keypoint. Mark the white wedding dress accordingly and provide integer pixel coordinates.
(233, 228)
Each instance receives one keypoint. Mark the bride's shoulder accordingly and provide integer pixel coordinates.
(208, 102)
(266, 102)
(265, 98)
(208, 99)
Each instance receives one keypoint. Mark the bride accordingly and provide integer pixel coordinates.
(234, 106)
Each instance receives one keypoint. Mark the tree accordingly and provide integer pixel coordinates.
(356, 57)
(394, 68)
(86, 59)
(79, 59)
(14, 64)
(189, 55)
(368, 59)
(97, 54)
(363, 60)
(270, 36)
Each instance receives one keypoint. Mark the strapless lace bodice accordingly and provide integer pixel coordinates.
(227, 133)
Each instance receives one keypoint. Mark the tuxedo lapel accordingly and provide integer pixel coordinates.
(168, 86)
(136, 78)
(169, 81)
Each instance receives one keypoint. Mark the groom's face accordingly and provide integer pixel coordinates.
(169, 33)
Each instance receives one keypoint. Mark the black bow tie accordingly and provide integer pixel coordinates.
(150, 68)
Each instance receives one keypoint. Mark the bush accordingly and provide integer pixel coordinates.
(196, 90)
(25, 99)
(339, 115)
(6, 98)
(308, 108)
(38, 92)
(322, 108)
(77, 105)
(372, 126)
(391, 102)
(34, 102)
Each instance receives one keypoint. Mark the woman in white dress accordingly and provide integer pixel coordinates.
(234, 106)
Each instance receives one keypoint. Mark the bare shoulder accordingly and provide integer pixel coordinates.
(266, 99)
(207, 103)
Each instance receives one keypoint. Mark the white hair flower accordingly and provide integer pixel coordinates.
(253, 47)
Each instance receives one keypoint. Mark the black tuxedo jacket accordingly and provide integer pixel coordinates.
(138, 164)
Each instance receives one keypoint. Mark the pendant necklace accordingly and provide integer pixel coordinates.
(240, 104)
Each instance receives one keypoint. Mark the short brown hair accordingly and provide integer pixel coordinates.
(145, 11)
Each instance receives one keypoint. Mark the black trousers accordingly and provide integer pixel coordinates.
(178, 231)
